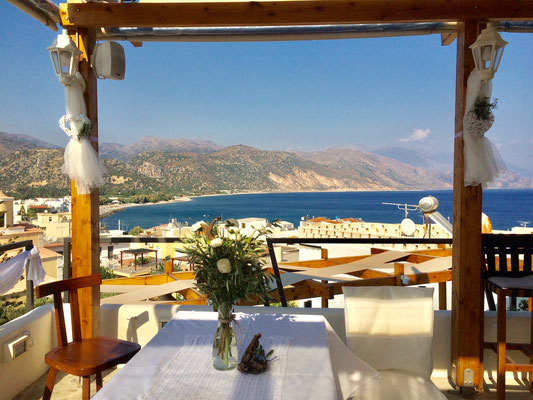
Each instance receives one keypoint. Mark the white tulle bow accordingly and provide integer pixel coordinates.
(82, 163)
(483, 163)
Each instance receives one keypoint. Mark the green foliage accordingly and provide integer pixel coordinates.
(289, 304)
(31, 192)
(22, 213)
(212, 249)
(136, 231)
(12, 307)
(143, 260)
(107, 273)
(32, 214)
(85, 131)
(523, 305)
(259, 354)
(159, 268)
(483, 108)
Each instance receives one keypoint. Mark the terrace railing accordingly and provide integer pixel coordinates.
(314, 241)
(67, 270)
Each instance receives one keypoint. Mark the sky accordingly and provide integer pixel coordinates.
(301, 95)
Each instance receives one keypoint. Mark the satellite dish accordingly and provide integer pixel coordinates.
(428, 204)
(408, 227)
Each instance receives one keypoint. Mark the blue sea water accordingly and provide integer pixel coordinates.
(505, 208)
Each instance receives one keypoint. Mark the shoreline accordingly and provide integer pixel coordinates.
(109, 209)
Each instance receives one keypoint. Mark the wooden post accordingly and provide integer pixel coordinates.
(467, 293)
(399, 270)
(169, 266)
(442, 296)
(85, 213)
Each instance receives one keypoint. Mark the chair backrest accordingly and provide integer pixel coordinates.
(391, 327)
(503, 252)
(71, 285)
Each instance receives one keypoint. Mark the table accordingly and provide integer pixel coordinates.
(306, 347)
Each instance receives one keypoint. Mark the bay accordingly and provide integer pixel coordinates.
(505, 208)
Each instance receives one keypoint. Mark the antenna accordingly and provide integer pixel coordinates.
(405, 207)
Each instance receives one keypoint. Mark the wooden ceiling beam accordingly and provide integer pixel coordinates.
(183, 13)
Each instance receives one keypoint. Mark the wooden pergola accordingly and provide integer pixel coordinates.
(469, 16)
(135, 253)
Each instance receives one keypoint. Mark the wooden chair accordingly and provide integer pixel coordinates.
(81, 357)
(507, 275)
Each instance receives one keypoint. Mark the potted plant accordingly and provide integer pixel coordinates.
(228, 269)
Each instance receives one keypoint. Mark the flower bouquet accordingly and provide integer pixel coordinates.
(478, 121)
(228, 268)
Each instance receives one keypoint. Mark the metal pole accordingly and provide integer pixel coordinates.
(30, 305)
(67, 265)
(276, 273)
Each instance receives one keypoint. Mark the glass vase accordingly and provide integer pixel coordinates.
(225, 345)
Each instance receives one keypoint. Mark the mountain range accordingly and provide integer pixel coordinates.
(30, 167)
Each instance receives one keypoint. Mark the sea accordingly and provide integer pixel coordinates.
(505, 208)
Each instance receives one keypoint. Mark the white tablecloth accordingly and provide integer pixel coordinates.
(307, 369)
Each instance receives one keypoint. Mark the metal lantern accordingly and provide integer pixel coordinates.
(487, 51)
(65, 57)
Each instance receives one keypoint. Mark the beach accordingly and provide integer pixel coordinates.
(109, 209)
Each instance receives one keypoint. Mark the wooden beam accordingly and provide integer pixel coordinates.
(85, 208)
(293, 12)
(467, 290)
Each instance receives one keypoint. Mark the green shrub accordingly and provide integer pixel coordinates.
(12, 307)
(107, 273)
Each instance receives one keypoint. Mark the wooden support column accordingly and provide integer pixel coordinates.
(467, 293)
(85, 212)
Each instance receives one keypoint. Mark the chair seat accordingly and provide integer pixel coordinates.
(401, 386)
(523, 283)
(90, 356)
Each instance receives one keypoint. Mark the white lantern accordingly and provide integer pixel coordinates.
(65, 57)
(487, 51)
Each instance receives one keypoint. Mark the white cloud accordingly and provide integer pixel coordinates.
(417, 135)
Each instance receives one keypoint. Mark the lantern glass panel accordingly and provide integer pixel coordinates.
(55, 61)
(477, 58)
(497, 58)
(66, 57)
(486, 55)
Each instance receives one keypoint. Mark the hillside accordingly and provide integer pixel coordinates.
(148, 144)
(27, 170)
(10, 142)
(375, 172)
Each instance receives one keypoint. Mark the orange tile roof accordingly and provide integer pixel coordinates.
(322, 219)
(330, 221)
(47, 253)
(350, 219)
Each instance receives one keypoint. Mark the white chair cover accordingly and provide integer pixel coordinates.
(391, 328)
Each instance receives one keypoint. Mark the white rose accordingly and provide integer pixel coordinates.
(224, 265)
(197, 226)
(216, 243)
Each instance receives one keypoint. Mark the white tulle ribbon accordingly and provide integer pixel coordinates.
(82, 163)
(35, 268)
(483, 163)
(11, 271)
